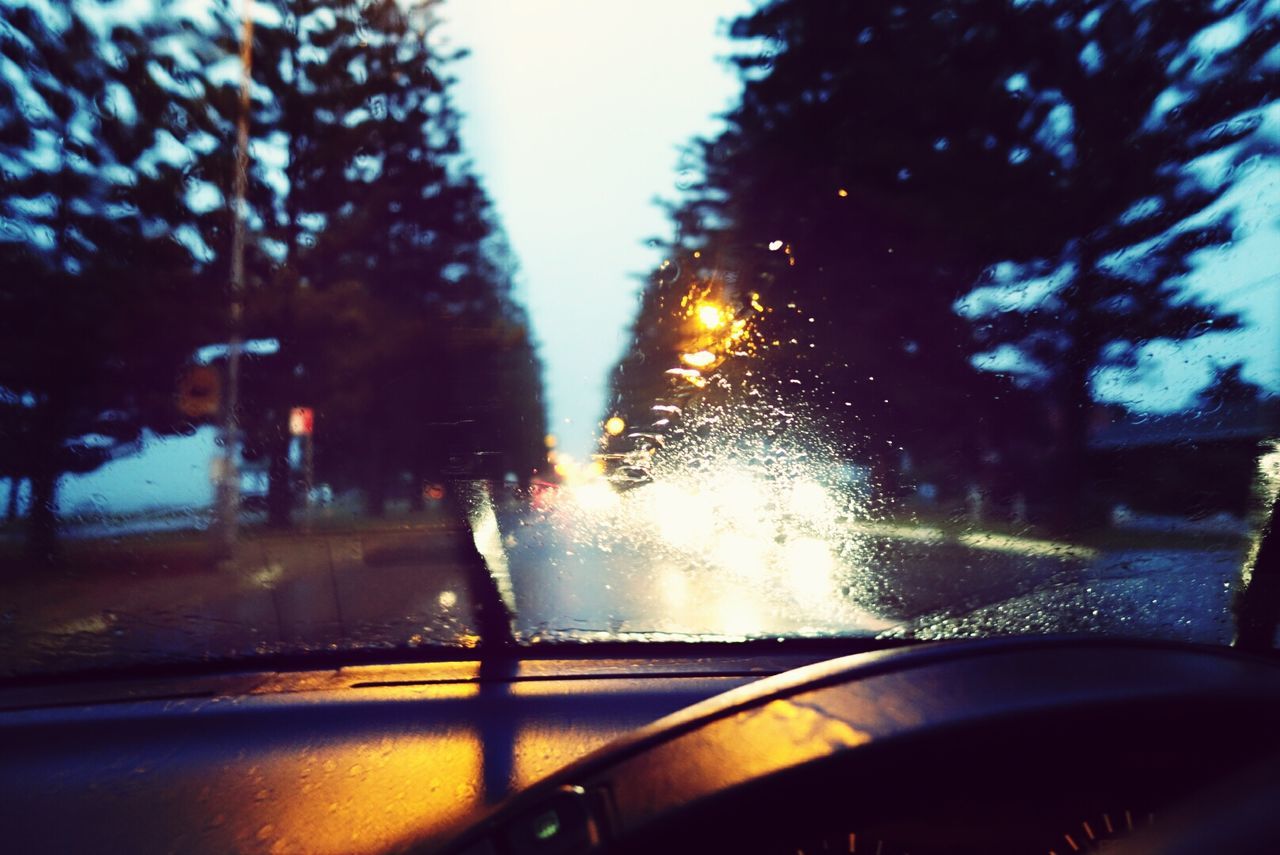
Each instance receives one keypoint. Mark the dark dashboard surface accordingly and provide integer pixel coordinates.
(350, 760)
(996, 747)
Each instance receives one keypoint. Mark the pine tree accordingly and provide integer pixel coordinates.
(1125, 107)
(101, 246)
(885, 158)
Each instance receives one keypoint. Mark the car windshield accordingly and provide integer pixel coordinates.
(346, 326)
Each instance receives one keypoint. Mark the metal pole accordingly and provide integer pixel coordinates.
(308, 474)
(228, 483)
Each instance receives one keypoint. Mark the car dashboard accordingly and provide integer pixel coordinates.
(998, 746)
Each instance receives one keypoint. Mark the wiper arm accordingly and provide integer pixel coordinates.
(484, 563)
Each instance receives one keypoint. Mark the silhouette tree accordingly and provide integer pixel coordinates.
(416, 228)
(1229, 388)
(374, 259)
(1128, 101)
(884, 158)
(309, 96)
(373, 270)
(104, 288)
(852, 193)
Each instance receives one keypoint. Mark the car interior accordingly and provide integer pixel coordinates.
(998, 745)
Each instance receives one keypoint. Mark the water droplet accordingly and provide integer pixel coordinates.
(668, 272)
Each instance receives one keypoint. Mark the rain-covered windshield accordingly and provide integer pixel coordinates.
(360, 325)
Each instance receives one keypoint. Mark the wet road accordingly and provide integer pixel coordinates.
(896, 581)
(398, 586)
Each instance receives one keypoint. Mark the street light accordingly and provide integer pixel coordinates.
(710, 315)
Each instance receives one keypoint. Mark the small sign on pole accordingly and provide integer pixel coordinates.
(200, 393)
(301, 421)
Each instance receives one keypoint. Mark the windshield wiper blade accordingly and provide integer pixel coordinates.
(483, 562)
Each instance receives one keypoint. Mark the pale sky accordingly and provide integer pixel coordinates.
(575, 113)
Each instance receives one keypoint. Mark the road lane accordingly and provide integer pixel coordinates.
(397, 586)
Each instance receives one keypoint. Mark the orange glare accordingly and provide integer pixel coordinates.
(710, 315)
(701, 359)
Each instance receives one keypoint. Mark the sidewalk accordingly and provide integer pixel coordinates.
(161, 595)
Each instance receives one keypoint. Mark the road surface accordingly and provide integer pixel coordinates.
(397, 585)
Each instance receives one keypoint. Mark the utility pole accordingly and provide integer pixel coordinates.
(227, 474)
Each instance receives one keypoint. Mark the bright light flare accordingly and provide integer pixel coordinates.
(744, 556)
(809, 501)
(614, 426)
(735, 538)
(701, 359)
(672, 584)
(811, 568)
(738, 613)
(710, 315)
(683, 519)
(595, 495)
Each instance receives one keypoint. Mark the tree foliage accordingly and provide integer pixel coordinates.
(374, 261)
(894, 178)
(96, 243)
